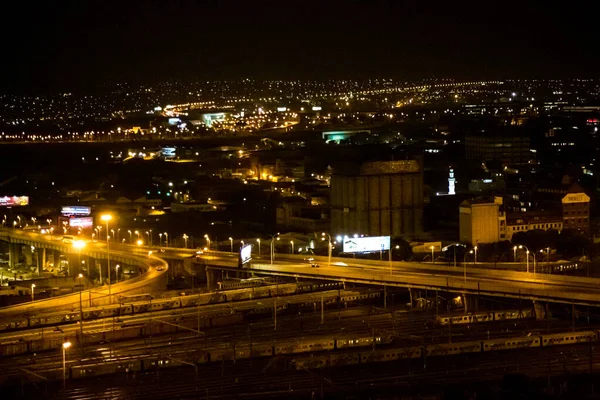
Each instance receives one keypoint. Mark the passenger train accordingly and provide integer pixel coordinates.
(126, 308)
(443, 349)
(484, 316)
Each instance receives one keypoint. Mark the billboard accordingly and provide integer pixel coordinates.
(246, 253)
(10, 201)
(84, 222)
(76, 210)
(364, 244)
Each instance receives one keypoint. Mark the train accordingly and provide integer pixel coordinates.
(145, 363)
(443, 349)
(484, 316)
(131, 308)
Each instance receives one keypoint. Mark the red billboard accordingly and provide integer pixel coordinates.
(11, 201)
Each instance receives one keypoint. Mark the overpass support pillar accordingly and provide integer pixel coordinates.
(14, 252)
(213, 277)
(541, 310)
(29, 254)
(43, 267)
(471, 303)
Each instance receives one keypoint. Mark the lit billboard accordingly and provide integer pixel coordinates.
(365, 244)
(246, 253)
(10, 201)
(85, 222)
(76, 210)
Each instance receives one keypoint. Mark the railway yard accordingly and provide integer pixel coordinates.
(287, 339)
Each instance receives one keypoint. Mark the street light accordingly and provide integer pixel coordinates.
(113, 233)
(547, 254)
(258, 240)
(527, 252)
(208, 241)
(465, 264)
(148, 235)
(515, 253)
(130, 239)
(32, 291)
(292, 243)
(330, 246)
(78, 245)
(273, 247)
(475, 259)
(106, 218)
(231, 243)
(117, 272)
(138, 234)
(139, 242)
(432, 254)
(160, 239)
(185, 238)
(80, 277)
(167, 239)
(65, 346)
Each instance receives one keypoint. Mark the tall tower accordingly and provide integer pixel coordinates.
(451, 182)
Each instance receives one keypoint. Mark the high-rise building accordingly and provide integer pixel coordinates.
(377, 198)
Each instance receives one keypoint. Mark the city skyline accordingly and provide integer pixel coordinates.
(72, 44)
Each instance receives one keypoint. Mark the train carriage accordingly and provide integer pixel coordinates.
(304, 346)
(442, 349)
(554, 339)
(510, 343)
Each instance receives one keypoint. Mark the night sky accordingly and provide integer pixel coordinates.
(49, 44)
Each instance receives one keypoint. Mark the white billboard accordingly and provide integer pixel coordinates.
(246, 253)
(83, 222)
(365, 244)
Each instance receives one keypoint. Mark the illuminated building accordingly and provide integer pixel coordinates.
(377, 198)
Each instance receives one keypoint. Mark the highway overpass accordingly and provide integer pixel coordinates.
(152, 279)
(481, 281)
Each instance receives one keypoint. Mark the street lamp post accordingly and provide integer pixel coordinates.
(465, 264)
(106, 218)
(528, 252)
(151, 241)
(432, 254)
(130, 239)
(167, 239)
(138, 235)
(65, 346)
(515, 253)
(330, 246)
(160, 239)
(185, 238)
(32, 291)
(148, 236)
(475, 259)
(231, 243)
(208, 241)
(273, 248)
(80, 277)
(292, 243)
(117, 272)
(258, 241)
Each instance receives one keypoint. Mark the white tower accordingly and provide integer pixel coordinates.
(451, 182)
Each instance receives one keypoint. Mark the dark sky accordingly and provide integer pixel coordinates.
(70, 43)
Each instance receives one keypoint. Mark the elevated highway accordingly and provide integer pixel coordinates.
(152, 278)
(412, 275)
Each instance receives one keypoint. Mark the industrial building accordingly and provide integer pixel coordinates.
(484, 221)
(377, 198)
